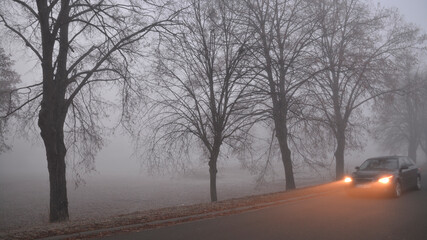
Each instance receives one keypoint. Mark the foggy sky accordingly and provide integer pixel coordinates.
(28, 157)
(414, 11)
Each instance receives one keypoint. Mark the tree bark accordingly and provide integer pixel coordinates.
(287, 163)
(412, 149)
(212, 173)
(339, 154)
(51, 122)
(282, 138)
(53, 109)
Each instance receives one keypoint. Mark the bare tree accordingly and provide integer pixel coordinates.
(283, 34)
(82, 46)
(8, 80)
(401, 115)
(203, 94)
(423, 141)
(355, 48)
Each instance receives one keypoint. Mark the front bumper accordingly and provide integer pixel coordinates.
(375, 188)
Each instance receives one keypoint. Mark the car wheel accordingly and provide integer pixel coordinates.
(397, 190)
(418, 187)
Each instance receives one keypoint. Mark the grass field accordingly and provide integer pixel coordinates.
(24, 200)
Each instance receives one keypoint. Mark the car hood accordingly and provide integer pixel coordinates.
(372, 173)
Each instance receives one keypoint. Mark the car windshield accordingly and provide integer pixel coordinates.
(380, 163)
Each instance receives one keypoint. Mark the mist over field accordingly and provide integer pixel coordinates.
(120, 185)
(120, 181)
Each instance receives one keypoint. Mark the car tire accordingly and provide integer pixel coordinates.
(397, 190)
(418, 186)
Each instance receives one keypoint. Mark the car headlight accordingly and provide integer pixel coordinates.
(348, 179)
(385, 180)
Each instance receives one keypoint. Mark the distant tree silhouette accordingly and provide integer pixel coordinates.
(355, 46)
(283, 38)
(8, 79)
(401, 116)
(203, 86)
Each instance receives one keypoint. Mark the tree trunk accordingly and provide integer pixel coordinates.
(213, 158)
(51, 122)
(339, 155)
(412, 149)
(282, 138)
(212, 173)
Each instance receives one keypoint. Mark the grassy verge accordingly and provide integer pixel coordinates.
(165, 216)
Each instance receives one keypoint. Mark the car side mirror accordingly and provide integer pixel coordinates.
(403, 168)
(357, 168)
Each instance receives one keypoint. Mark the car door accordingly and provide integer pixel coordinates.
(405, 174)
(413, 172)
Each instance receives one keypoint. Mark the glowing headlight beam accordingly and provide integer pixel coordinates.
(385, 180)
(348, 179)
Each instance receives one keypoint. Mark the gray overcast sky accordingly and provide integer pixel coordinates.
(24, 153)
(414, 11)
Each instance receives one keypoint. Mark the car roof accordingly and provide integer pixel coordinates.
(379, 157)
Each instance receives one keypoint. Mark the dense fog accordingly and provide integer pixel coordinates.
(121, 183)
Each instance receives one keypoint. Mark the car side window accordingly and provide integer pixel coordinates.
(403, 162)
(409, 161)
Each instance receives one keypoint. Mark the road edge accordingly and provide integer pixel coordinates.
(177, 220)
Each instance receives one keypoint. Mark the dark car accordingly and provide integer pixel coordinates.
(389, 175)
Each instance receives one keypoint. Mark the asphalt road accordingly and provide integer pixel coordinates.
(328, 216)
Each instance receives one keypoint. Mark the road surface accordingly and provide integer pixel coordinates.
(328, 216)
